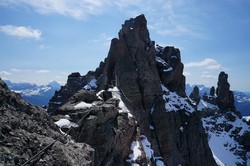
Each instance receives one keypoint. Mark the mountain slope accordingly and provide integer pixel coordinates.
(37, 95)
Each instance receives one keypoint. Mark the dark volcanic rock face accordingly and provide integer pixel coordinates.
(26, 129)
(225, 97)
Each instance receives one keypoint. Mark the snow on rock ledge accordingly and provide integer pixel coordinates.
(174, 102)
(82, 105)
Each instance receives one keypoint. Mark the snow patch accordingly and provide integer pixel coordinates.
(63, 123)
(168, 69)
(247, 118)
(135, 147)
(174, 102)
(82, 105)
(182, 129)
(122, 107)
(147, 147)
(205, 105)
(91, 85)
(158, 59)
(140, 146)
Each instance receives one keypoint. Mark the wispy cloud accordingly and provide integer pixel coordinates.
(42, 47)
(207, 63)
(208, 76)
(5, 73)
(102, 38)
(42, 71)
(185, 73)
(21, 32)
(76, 9)
(14, 70)
(168, 17)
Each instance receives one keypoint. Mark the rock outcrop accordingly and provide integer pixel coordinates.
(195, 95)
(26, 129)
(170, 69)
(140, 71)
(212, 91)
(225, 97)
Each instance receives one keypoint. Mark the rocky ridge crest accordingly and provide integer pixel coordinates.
(26, 129)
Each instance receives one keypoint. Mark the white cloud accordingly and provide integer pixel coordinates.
(168, 17)
(208, 76)
(207, 63)
(5, 73)
(77, 9)
(20, 70)
(21, 32)
(186, 73)
(42, 71)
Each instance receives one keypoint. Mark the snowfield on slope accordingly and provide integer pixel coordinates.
(226, 150)
(174, 102)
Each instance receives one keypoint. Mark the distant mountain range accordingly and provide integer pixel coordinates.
(241, 99)
(34, 94)
(40, 95)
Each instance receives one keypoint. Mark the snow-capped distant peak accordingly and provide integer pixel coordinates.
(55, 85)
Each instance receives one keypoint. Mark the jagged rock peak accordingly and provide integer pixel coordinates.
(212, 91)
(225, 97)
(195, 95)
(138, 24)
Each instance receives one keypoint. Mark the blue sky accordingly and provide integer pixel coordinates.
(44, 40)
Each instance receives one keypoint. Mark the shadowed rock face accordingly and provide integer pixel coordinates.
(225, 97)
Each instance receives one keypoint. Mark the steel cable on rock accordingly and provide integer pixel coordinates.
(51, 144)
